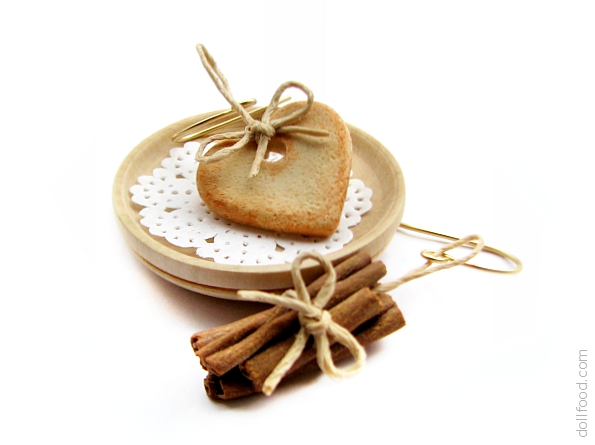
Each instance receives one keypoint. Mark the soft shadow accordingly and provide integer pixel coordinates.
(200, 310)
(291, 385)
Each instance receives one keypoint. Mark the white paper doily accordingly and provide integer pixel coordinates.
(174, 210)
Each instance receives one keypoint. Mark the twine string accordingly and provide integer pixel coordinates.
(438, 262)
(318, 322)
(261, 131)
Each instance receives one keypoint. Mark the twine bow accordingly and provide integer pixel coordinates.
(261, 131)
(314, 321)
(318, 322)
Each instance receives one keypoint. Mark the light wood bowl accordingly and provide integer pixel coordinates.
(372, 163)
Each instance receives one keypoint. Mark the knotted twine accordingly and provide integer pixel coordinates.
(318, 322)
(262, 130)
(437, 260)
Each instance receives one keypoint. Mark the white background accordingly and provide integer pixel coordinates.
(489, 108)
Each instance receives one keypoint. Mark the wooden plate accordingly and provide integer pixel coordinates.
(372, 163)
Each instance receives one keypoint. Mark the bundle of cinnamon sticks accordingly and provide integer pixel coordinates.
(240, 356)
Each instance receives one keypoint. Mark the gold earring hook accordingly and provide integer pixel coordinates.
(177, 137)
(518, 265)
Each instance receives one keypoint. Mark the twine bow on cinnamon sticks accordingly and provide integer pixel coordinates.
(344, 309)
(259, 130)
(314, 321)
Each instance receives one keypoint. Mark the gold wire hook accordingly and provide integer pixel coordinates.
(177, 137)
(428, 254)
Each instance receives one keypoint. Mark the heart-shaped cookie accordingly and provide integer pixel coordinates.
(301, 185)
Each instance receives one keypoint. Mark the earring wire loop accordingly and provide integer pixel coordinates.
(518, 265)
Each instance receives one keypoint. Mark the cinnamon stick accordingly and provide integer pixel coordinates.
(246, 324)
(241, 355)
(352, 312)
(342, 270)
(235, 385)
(226, 359)
(233, 332)
(237, 333)
(232, 385)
